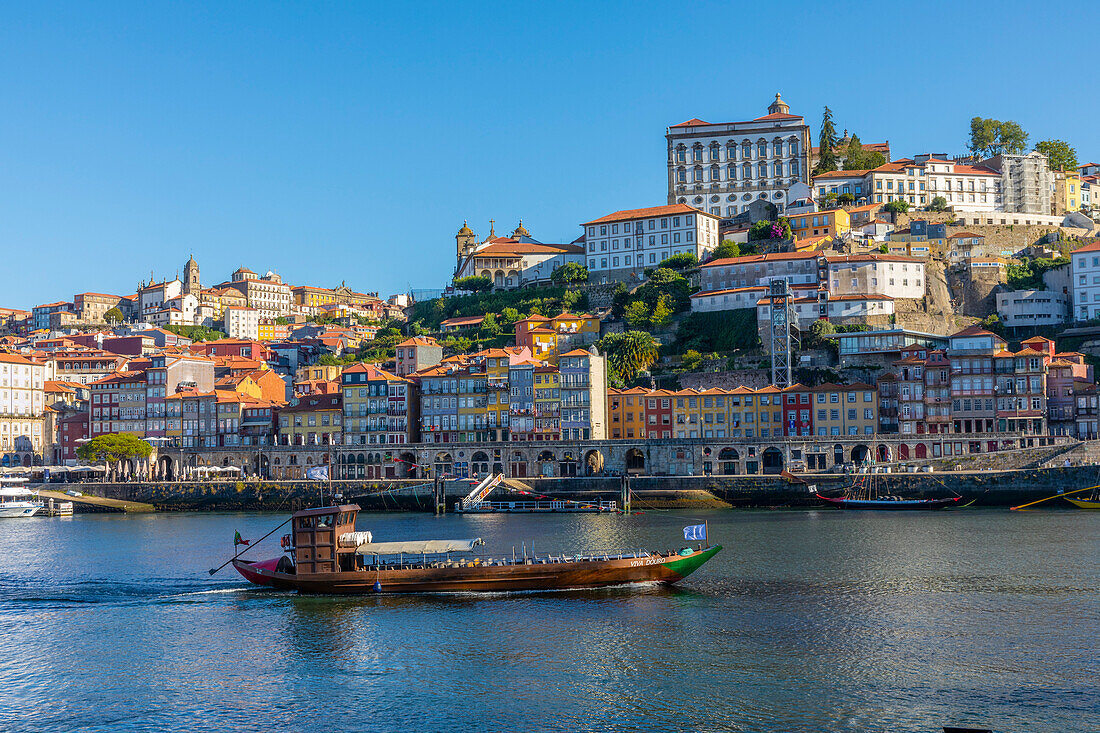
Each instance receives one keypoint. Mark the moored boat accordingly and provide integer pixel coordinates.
(17, 501)
(325, 554)
(1089, 504)
(894, 503)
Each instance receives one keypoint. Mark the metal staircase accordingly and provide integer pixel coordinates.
(482, 490)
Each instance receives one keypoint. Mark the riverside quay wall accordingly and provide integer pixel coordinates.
(987, 488)
(676, 457)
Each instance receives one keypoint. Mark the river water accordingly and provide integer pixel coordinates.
(807, 621)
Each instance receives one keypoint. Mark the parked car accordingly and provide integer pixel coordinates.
(73, 492)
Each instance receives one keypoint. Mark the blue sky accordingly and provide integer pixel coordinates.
(348, 141)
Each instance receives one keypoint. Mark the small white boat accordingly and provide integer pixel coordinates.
(17, 500)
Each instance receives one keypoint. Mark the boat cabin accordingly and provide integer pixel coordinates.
(316, 534)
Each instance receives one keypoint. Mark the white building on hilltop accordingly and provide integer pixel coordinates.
(242, 323)
(512, 261)
(722, 167)
(622, 244)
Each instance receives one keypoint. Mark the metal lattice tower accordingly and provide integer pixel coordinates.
(784, 331)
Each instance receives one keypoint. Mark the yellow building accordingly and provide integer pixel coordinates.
(549, 337)
(845, 409)
(497, 388)
(547, 403)
(221, 298)
(626, 412)
(820, 223)
(1067, 192)
(312, 420)
(473, 404)
(311, 297)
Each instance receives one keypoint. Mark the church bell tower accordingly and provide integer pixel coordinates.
(191, 282)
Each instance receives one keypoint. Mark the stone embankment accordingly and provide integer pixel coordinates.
(988, 487)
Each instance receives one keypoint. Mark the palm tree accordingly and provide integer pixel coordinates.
(628, 353)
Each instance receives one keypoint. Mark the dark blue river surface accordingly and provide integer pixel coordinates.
(808, 621)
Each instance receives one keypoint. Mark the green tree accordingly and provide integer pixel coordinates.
(856, 158)
(897, 206)
(662, 311)
(845, 199)
(681, 261)
(884, 248)
(770, 230)
(939, 203)
(113, 316)
(473, 284)
(691, 360)
(989, 137)
(282, 320)
(569, 274)
(1062, 155)
(510, 315)
(819, 331)
(728, 248)
(826, 143)
(489, 325)
(628, 353)
(574, 300)
(113, 447)
(637, 314)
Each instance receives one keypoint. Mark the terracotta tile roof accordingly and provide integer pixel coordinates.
(463, 321)
(973, 331)
(870, 257)
(777, 116)
(505, 245)
(843, 174)
(630, 214)
(707, 293)
(1091, 247)
(308, 403)
(693, 122)
(419, 341)
(373, 371)
(770, 257)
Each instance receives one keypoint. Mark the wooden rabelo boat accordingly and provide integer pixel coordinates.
(325, 554)
(1092, 503)
(895, 503)
(863, 493)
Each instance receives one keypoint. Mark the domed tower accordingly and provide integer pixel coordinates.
(465, 243)
(779, 106)
(191, 282)
(520, 231)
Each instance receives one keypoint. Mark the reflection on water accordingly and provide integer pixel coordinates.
(807, 621)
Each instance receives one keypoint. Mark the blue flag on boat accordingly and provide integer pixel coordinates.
(695, 532)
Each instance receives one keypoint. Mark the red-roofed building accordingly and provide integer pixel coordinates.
(376, 407)
(512, 261)
(722, 167)
(416, 353)
(967, 188)
(621, 245)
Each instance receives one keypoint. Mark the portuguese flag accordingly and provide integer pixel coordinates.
(238, 540)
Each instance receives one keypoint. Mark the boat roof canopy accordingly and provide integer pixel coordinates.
(327, 510)
(16, 491)
(419, 547)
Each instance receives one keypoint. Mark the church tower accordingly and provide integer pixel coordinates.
(191, 282)
(779, 106)
(465, 244)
